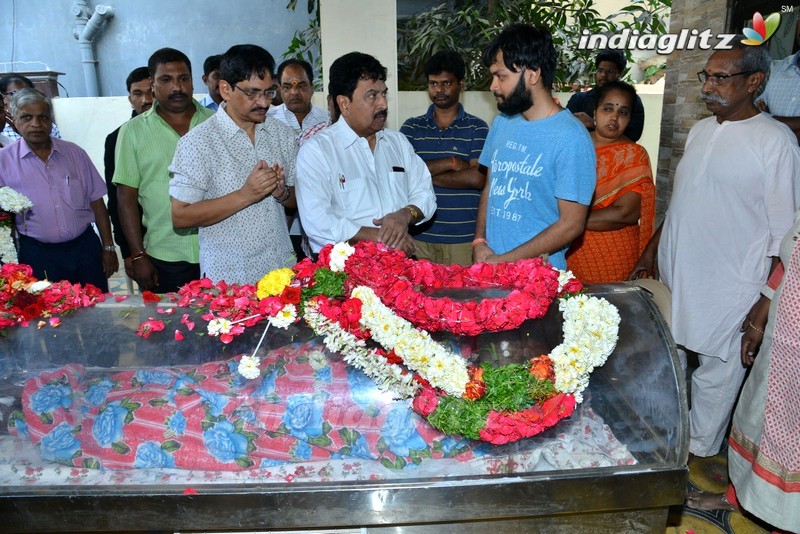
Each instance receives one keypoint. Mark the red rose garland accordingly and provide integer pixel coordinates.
(397, 281)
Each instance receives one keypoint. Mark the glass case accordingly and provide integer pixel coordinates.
(616, 464)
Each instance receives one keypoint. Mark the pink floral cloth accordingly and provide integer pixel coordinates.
(305, 406)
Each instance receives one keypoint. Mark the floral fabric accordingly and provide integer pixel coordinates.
(304, 407)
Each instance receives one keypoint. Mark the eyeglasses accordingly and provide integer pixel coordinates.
(254, 94)
(608, 72)
(720, 79)
(445, 84)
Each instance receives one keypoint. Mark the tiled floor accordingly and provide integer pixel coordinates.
(711, 474)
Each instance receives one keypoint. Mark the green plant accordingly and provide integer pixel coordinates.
(468, 27)
(306, 43)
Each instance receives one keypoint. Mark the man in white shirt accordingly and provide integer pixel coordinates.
(736, 190)
(233, 175)
(356, 180)
(296, 86)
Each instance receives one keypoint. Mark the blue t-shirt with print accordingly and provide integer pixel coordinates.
(532, 164)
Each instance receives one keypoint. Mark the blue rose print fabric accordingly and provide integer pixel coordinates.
(305, 406)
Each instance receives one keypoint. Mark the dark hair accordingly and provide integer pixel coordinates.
(163, 56)
(300, 62)
(211, 64)
(525, 46)
(242, 62)
(137, 75)
(614, 56)
(6, 80)
(347, 70)
(617, 85)
(446, 60)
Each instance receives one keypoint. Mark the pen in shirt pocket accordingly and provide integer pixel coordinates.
(66, 179)
(398, 169)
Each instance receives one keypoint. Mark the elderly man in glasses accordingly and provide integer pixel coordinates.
(234, 174)
(735, 193)
(609, 67)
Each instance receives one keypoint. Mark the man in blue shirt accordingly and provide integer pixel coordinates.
(540, 158)
(449, 141)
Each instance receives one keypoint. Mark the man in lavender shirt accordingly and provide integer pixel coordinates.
(56, 237)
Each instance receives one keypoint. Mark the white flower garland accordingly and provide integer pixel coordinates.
(444, 369)
(12, 202)
(591, 330)
(388, 377)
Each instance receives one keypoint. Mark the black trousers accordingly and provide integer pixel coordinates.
(79, 260)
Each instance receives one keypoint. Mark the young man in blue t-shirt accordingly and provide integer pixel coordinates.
(540, 158)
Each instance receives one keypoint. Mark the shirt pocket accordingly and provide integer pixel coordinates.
(355, 198)
(75, 197)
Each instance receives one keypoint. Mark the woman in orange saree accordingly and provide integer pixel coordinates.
(621, 218)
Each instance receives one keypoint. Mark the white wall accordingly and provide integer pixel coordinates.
(87, 121)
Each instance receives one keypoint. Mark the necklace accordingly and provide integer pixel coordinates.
(552, 108)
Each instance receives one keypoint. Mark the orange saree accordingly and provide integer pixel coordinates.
(597, 257)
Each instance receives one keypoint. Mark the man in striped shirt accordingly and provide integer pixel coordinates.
(450, 141)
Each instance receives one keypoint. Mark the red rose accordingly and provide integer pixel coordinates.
(324, 257)
(148, 327)
(291, 295)
(305, 269)
(149, 296)
(425, 402)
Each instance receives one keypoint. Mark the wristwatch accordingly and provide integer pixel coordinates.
(109, 248)
(415, 214)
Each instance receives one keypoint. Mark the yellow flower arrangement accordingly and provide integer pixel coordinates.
(273, 283)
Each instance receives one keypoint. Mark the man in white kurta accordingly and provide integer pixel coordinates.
(356, 180)
(735, 192)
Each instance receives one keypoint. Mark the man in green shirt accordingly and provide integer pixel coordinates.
(166, 258)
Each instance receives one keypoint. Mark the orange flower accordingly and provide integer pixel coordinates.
(542, 368)
(476, 387)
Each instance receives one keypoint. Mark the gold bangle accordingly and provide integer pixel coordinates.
(754, 327)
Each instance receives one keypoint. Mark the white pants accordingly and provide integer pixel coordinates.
(715, 387)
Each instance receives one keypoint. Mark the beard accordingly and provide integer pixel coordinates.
(518, 101)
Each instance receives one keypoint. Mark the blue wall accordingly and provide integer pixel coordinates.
(37, 35)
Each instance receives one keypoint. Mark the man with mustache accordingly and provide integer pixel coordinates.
(296, 86)
(55, 236)
(356, 180)
(234, 174)
(449, 140)
(540, 158)
(166, 258)
(735, 193)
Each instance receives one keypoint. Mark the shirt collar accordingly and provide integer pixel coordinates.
(460, 115)
(349, 137)
(25, 149)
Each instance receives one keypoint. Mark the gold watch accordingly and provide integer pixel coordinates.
(415, 214)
